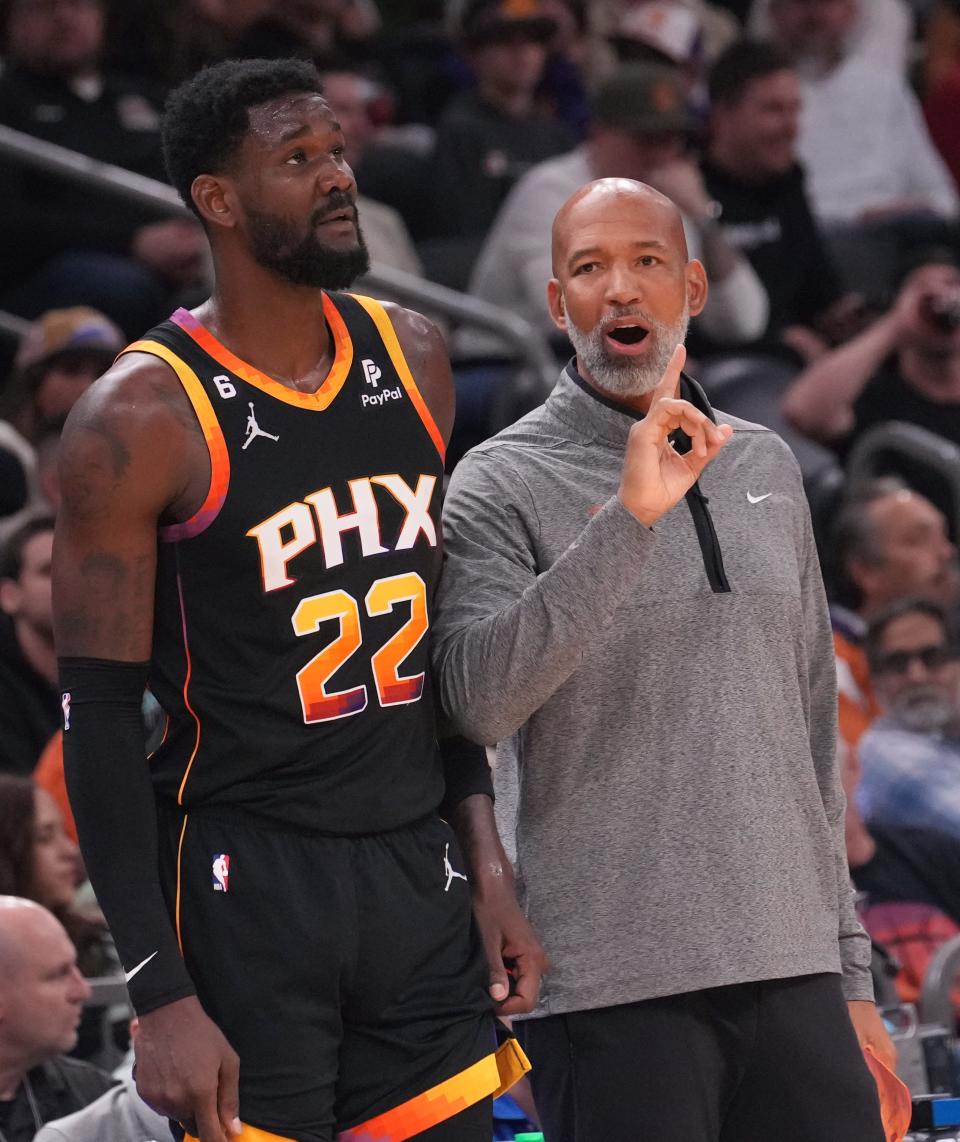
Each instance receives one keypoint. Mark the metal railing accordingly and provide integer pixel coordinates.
(528, 343)
(910, 441)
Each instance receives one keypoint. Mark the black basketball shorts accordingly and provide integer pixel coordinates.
(345, 972)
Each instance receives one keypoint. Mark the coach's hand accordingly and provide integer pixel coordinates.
(187, 1070)
(655, 476)
(871, 1032)
(512, 948)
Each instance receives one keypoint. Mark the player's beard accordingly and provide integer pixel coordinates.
(278, 244)
(628, 376)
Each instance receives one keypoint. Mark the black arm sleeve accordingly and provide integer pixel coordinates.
(113, 803)
(465, 770)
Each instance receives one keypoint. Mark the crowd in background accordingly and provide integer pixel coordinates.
(813, 147)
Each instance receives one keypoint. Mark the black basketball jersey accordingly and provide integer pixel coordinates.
(292, 610)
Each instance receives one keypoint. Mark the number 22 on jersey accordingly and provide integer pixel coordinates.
(393, 689)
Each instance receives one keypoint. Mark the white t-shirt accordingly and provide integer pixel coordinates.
(865, 145)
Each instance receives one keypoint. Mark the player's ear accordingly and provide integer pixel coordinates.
(214, 201)
(555, 302)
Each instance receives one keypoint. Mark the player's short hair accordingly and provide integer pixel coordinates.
(206, 117)
(742, 63)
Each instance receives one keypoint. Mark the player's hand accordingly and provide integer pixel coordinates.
(655, 476)
(187, 1070)
(511, 946)
(871, 1031)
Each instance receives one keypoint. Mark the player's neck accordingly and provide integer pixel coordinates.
(275, 326)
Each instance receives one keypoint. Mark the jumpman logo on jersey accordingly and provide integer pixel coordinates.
(254, 430)
(449, 869)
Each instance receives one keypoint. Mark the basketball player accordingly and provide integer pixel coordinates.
(250, 523)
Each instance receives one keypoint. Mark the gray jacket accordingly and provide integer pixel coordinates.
(120, 1115)
(665, 700)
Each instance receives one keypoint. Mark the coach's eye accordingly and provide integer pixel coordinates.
(297, 157)
(584, 268)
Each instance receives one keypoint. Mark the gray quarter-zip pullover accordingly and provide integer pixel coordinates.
(664, 700)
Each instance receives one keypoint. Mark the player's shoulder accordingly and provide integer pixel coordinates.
(410, 325)
(138, 401)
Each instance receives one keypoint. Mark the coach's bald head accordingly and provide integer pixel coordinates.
(606, 202)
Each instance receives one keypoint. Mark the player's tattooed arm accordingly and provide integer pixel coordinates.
(426, 353)
(131, 455)
(131, 459)
(515, 956)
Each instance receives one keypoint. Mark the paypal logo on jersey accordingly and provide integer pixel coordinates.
(372, 374)
(382, 397)
(371, 371)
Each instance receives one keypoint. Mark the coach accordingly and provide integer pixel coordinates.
(652, 651)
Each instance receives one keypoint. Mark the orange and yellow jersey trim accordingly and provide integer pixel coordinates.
(319, 400)
(212, 434)
(490, 1076)
(381, 320)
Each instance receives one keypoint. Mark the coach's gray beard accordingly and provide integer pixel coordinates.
(628, 376)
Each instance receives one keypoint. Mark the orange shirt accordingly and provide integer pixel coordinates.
(858, 705)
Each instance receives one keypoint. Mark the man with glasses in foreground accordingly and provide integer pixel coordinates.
(911, 755)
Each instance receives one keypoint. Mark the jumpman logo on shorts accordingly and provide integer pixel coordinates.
(254, 430)
(449, 869)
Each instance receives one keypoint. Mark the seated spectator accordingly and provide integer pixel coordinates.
(909, 880)
(489, 136)
(570, 65)
(40, 862)
(118, 1115)
(349, 94)
(672, 32)
(880, 31)
(661, 31)
(906, 366)
(60, 356)
(888, 543)
(911, 755)
(875, 177)
(751, 170)
(42, 994)
(63, 243)
(29, 693)
(717, 28)
(640, 130)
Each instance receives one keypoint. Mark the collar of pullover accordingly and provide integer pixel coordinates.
(593, 415)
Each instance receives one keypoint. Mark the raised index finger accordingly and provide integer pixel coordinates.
(669, 382)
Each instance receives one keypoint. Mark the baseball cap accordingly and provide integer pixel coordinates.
(663, 27)
(78, 329)
(486, 21)
(645, 98)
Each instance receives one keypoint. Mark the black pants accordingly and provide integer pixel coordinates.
(772, 1060)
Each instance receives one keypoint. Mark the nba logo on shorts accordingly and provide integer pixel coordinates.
(221, 872)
